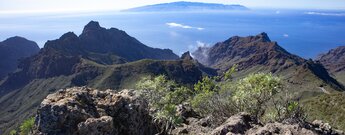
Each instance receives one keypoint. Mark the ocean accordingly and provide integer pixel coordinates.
(306, 33)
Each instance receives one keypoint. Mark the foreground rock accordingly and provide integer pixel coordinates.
(84, 111)
(87, 111)
(243, 123)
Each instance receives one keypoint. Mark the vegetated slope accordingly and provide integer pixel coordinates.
(12, 50)
(328, 107)
(186, 6)
(334, 62)
(69, 62)
(259, 54)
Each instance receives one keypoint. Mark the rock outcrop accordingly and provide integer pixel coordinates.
(82, 110)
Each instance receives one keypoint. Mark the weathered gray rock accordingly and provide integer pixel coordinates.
(97, 126)
(280, 129)
(324, 128)
(237, 124)
(82, 110)
(244, 124)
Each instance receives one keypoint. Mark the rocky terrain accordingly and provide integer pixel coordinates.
(334, 62)
(12, 50)
(82, 110)
(259, 54)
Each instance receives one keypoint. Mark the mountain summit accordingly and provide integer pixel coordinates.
(12, 50)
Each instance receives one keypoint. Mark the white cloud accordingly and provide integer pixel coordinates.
(325, 14)
(177, 25)
(285, 35)
(197, 44)
(201, 44)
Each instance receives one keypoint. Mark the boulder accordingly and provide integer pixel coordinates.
(82, 110)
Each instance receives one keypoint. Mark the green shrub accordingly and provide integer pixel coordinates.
(13, 132)
(254, 91)
(211, 96)
(164, 96)
(27, 126)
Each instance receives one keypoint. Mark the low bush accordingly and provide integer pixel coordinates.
(164, 96)
(27, 126)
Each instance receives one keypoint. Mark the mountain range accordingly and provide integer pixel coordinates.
(99, 58)
(12, 50)
(183, 6)
(259, 54)
(111, 59)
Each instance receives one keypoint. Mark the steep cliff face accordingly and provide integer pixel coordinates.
(259, 54)
(12, 50)
(334, 62)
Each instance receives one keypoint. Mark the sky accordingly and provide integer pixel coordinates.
(27, 6)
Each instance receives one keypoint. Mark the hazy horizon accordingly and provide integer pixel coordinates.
(43, 6)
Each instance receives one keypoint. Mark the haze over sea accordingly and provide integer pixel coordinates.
(305, 33)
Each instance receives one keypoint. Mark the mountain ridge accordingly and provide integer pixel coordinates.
(334, 62)
(259, 54)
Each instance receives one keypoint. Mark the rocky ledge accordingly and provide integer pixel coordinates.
(85, 111)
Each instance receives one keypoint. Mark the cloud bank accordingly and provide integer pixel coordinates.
(177, 25)
(325, 14)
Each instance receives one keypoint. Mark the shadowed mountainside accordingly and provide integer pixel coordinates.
(12, 50)
(334, 62)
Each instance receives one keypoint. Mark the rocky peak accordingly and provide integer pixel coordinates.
(236, 40)
(263, 37)
(68, 36)
(92, 25)
(12, 50)
(186, 56)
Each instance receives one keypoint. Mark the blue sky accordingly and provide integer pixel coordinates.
(7, 6)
